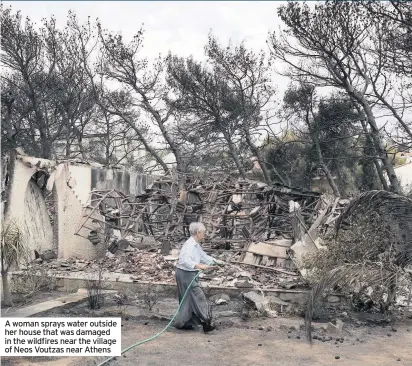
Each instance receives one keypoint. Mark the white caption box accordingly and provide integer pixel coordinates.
(60, 337)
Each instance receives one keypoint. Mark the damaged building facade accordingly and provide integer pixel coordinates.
(46, 198)
(79, 210)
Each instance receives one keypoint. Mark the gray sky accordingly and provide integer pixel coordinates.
(178, 26)
(181, 27)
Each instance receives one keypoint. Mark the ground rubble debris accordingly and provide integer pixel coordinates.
(154, 267)
(253, 227)
(253, 223)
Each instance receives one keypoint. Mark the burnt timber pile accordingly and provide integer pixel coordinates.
(249, 221)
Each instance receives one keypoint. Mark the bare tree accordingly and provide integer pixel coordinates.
(300, 102)
(47, 93)
(207, 97)
(248, 76)
(149, 93)
(327, 49)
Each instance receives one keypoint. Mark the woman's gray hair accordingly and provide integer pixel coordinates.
(196, 227)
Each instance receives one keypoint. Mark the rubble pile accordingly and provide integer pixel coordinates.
(235, 212)
(144, 266)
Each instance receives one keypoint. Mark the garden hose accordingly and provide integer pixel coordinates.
(158, 334)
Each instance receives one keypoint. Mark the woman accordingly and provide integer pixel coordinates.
(195, 309)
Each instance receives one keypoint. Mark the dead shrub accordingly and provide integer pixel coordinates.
(369, 239)
(150, 300)
(31, 281)
(94, 287)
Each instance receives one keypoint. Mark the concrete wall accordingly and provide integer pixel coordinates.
(404, 174)
(72, 184)
(73, 187)
(27, 208)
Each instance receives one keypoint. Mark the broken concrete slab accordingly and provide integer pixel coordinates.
(278, 304)
(265, 249)
(220, 299)
(261, 303)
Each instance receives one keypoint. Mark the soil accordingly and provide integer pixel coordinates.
(20, 300)
(370, 340)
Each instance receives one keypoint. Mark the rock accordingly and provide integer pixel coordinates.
(278, 304)
(171, 257)
(337, 357)
(220, 299)
(261, 328)
(394, 329)
(335, 328)
(244, 284)
(332, 299)
(226, 314)
(283, 326)
(48, 254)
(260, 344)
(269, 328)
(38, 261)
(260, 302)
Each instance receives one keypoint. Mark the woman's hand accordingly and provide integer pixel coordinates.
(203, 267)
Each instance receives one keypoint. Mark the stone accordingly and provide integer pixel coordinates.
(278, 303)
(336, 327)
(220, 299)
(227, 313)
(260, 302)
(332, 299)
(337, 357)
(48, 254)
(38, 260)
(244, 284)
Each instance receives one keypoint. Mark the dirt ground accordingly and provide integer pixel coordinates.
(262, 342)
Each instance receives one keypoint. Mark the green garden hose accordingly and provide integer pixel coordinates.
(158, 334)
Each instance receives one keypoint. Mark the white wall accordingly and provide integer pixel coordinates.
(404, 174)
(27, 208)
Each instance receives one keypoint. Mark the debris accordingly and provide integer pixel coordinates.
(277, 303)
(333, 299)
(335, 327)
(260, 303)
(48, 255)
(166, 247)
(220, 299)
